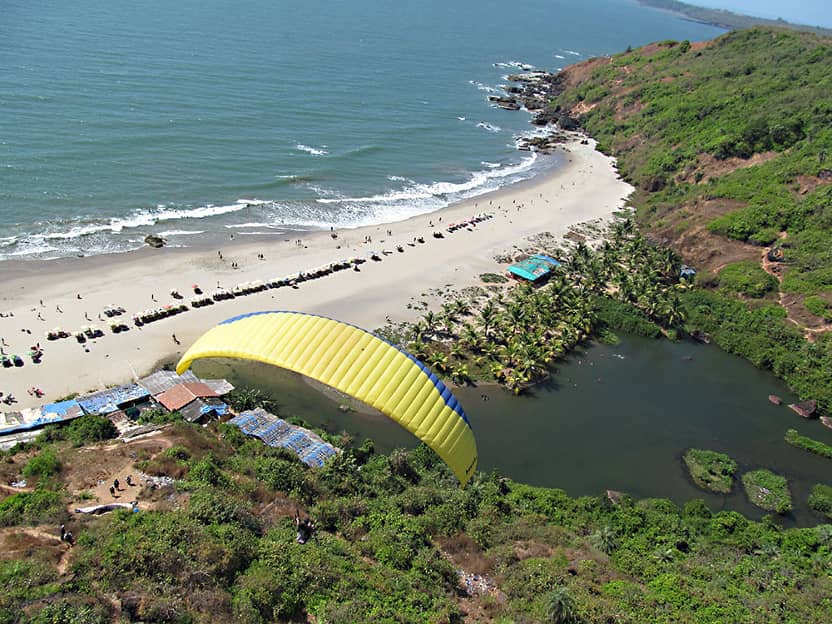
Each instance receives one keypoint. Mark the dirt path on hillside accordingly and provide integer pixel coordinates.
(15, 545)
(789, 303)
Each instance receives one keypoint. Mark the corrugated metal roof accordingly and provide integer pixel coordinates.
(179, 396)
(163, 380)
(220, 386)
(275, 431)
(197, 408)
(109, 400)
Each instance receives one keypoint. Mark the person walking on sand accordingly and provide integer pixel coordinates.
(116, 484)
(175, 339)
(113, 492)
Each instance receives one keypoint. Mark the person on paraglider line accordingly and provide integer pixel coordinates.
(305, 528)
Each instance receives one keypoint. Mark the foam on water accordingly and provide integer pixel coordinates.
(315, 151)
(181, 233)
(171, 124)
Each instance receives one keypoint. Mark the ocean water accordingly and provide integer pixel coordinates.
(198, 118)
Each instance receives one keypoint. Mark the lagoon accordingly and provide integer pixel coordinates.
(612, 417)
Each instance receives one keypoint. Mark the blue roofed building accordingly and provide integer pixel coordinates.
(535, 269)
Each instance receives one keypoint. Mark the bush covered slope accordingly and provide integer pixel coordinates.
(395, 541)
(729, 143)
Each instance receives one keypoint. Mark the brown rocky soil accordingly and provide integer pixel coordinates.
(686, 230)
(711, 167)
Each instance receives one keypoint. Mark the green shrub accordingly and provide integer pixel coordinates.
(207, 472)
(622, 317)
(818, 306)
(39, 506)
(90, 428)
(71, 612)
(746, 278)
(493, 278)
(44, 465)
(177, 451)
(157, 416)
(820, 500)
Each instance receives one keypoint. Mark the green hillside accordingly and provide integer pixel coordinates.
(395, 541)
(729, 143)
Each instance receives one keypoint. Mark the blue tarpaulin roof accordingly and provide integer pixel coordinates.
(533, 268)
(109, 400)
(28, 419)
(61, 408)
(547, 259)
(276, 432)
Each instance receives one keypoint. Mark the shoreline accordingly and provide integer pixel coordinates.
(75, 291)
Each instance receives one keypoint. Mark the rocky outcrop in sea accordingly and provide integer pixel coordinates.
(533, 91)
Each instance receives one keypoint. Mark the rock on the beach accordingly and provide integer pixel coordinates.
(154, 240)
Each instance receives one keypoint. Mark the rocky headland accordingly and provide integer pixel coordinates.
(532, 91)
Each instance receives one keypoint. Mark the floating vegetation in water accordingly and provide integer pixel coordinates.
(768, 491)
(711, 470)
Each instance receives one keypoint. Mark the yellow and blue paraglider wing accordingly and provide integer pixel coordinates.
(355, 362)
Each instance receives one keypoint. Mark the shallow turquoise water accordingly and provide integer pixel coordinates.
(120, 118)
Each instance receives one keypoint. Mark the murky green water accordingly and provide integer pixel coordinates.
(614, 417)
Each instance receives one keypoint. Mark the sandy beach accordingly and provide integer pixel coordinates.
(38, 296)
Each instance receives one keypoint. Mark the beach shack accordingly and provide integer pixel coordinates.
(276, 432)
(23, 425)
(113, 399)
(195, 400)
(535, 269)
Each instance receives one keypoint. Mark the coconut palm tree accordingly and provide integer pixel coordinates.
(460, 375)
(430, 321)
(460, 307)
(439, 361)
(471, 337)
(418, 348)
(498, 371)
(448, 322)
(606, 540)
(560, 606)
(243, 399)
(488, 316)
(672, 312)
